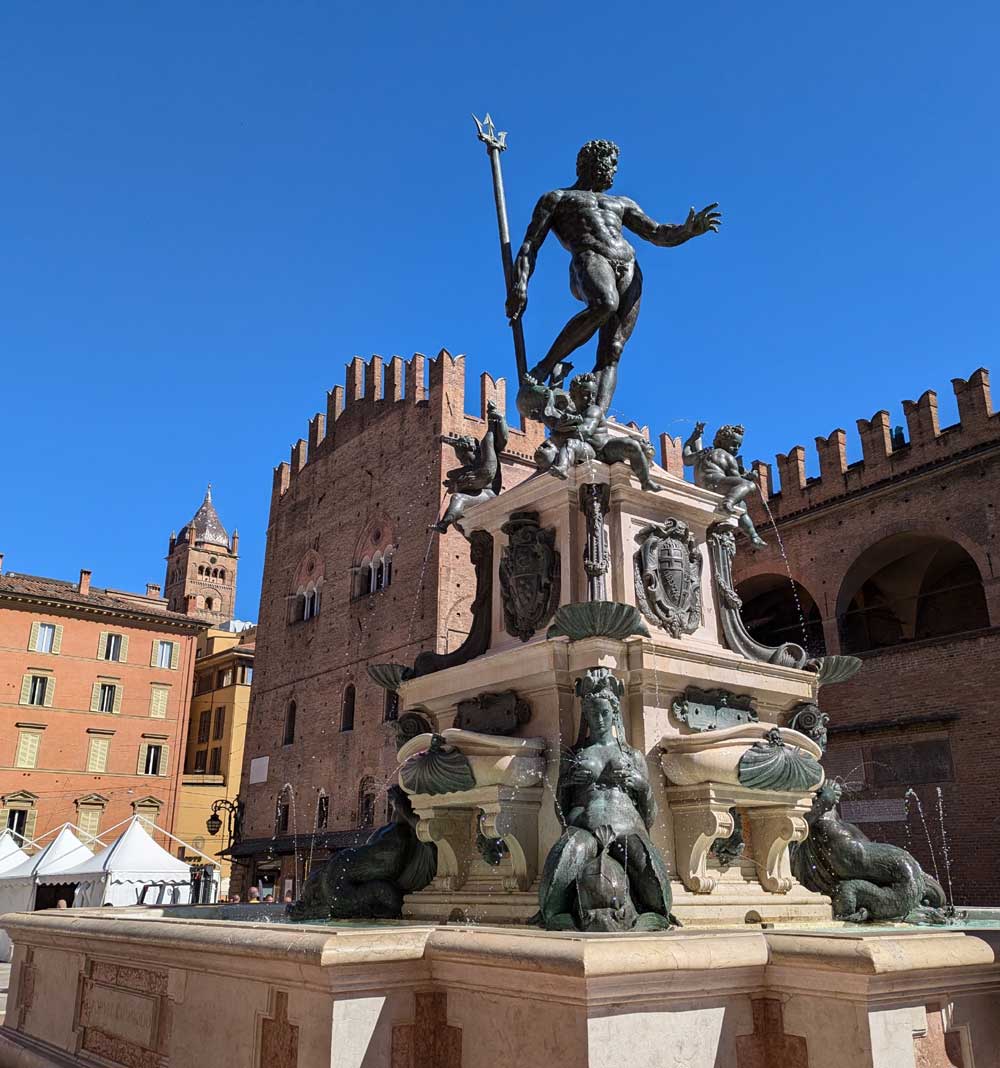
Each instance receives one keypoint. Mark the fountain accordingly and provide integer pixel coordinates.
(599, 847)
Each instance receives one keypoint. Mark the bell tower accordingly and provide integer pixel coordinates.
(201, 567)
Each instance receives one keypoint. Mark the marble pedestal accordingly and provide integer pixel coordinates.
(656, 670)
(165, 988)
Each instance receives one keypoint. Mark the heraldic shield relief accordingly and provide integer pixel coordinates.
(668, 576)
(529, 575)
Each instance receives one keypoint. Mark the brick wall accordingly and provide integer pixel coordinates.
(937, 488)
(367, 478)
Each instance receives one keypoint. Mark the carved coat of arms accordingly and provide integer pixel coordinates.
(529, 575)
(668, 576)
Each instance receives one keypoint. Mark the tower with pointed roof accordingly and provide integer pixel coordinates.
(201, 566)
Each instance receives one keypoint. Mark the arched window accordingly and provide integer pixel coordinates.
(391, 708)
(222, 573)
(201, 570)
(910, 587)
(366, 802)
(347, 714)
(209, 604)
(387, 565)
(322, 811)
(775, 612)
(363, 579)
(288, 735)
(378, 573)
(310, 603)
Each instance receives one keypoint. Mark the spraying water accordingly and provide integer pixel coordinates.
(788, 569)
(946, 849)
(927, 831)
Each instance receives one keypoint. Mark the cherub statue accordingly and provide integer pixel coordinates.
(720, 468)
(480, 477)
(604, 873)
(579, 432)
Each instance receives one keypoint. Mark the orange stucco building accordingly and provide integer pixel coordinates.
(95, 692)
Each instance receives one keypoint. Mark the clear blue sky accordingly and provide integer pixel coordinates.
(209, 208)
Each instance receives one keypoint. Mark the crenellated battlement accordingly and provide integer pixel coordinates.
(886, 453)
(432, 388)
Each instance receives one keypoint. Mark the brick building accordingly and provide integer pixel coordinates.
(895, 560)
(351, 576)
(95, 687)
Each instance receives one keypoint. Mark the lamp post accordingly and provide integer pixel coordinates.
(214, 822)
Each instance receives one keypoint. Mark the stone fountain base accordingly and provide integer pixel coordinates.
(173, 987)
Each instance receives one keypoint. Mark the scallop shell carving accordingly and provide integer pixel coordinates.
(770, 764)
(388, 676)
(597, 619)
(441, 769)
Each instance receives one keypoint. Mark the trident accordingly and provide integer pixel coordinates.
(495, 144)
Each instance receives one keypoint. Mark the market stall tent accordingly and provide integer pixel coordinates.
(133, 870)
(19, 884)
(11, 854)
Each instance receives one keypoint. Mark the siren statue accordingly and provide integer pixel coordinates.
(604, 873)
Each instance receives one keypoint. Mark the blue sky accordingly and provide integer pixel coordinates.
(210, 208)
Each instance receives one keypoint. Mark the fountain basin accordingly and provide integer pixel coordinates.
(495, 760)
(714, 756)
(162, 986)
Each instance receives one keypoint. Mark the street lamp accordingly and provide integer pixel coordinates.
(214, 822)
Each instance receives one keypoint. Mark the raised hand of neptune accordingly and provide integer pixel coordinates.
(603, 271)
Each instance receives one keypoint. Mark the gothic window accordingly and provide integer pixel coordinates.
(347, 715)
(364, 579)
(322, 812)
(391, 708)
(289, 733)
(209, 604)
(366, 802)
(222, 573)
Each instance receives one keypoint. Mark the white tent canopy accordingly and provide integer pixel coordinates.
(11, 854)
(19, 884)
(130, 871)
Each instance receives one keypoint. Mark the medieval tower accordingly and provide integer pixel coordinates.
(201, 567)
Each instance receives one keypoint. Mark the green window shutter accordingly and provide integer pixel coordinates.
(33, 637)
(29, 823)
(102, 646)
(117, 707)
(25, 690)
(174, 655)
(124, 649)
(164, 759)
(141, 765)
(50, 690)
(57, 639)
(95, 697)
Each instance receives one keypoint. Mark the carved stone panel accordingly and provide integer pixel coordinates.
(667, 568)
(709, 710)
(529, 575)
(123, 1014)
(493, 713)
